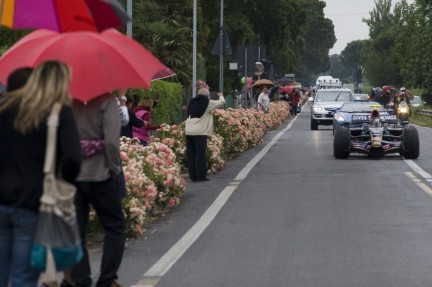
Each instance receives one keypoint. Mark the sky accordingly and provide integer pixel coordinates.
(347, 18)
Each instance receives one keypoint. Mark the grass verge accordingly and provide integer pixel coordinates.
(421, 120)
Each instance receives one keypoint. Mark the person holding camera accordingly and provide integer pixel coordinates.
(199, 125)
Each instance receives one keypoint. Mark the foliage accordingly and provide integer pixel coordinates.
(413, 44)
(352, 57)
(174, 137)
(161, 166)
(381, 63)
(10, 37)
(169, 104)
(165, 28)
(153, 181)
(169, 97)
(339, 70)
(427, 97)
(421, 120)
(320, 36)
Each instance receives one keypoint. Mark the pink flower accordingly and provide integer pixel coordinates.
(172, 202)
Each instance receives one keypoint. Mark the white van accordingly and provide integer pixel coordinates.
(327, 82)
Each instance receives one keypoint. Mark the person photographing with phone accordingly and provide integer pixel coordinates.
(199, 125)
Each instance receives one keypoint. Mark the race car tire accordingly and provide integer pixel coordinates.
(411, 143)
(341, 143)
(314, 125)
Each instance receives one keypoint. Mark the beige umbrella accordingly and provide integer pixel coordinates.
(263, 82)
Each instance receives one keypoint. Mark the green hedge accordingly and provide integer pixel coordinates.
(168, 108)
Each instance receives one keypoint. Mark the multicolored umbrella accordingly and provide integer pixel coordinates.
(100, 62)
(62, 15)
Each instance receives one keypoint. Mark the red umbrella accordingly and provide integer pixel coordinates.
(286, 90)
(62, 15)
(294, 85)
(107, 13)
(100, 62)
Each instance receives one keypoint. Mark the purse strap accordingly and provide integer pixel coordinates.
(50, 151)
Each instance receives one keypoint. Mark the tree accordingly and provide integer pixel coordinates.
(165, 28)
(381, 64)
(352, 57)
(319, 39)
(413, 44)
(338, 69)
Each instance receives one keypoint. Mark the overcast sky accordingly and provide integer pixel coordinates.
(347, 18)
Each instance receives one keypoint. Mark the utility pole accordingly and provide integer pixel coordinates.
(221, 49)
(129, 23)
(245, 95)
(194, 49)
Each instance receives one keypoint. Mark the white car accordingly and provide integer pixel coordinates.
(416, 102)
(325, 103)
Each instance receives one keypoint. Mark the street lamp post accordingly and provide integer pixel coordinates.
(194, 49)
(129, 23)
(221, 49)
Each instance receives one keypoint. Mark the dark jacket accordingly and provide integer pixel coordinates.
(127, 131)
(197, 106)
(22, 158)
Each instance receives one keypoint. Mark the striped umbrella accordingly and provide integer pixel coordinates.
(62, 15)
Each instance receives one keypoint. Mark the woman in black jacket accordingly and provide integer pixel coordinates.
(23, 139)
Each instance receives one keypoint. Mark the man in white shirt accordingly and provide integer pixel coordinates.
(263, 102)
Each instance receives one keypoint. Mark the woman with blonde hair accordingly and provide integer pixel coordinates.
(143, 112)
(23, 139)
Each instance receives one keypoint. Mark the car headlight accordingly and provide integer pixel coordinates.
(318, 108)
(403, 110)
(339, 117)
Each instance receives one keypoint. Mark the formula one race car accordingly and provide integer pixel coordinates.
(376, 136)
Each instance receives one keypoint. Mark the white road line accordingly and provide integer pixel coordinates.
(163, 265)
(245, 171)
(418, 169)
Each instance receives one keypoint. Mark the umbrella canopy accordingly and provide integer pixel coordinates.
(286, 90)
(284, 81)
(63, 15)
(294, 85)
(263, 82)
(100, 62)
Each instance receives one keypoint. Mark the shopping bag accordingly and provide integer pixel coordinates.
(57, 244)
(57, 230)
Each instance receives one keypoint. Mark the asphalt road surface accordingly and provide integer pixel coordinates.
(287, 213)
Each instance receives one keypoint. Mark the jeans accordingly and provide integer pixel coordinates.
(196, 156)
(17, 231)
(105, 199)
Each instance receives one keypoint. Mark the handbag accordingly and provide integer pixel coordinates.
(57, 244)
(91, 147)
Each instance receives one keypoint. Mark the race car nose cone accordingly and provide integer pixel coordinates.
(376, 142)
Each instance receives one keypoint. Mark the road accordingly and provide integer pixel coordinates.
(287, 213)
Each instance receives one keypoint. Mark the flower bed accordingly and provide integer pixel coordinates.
(153, 173)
